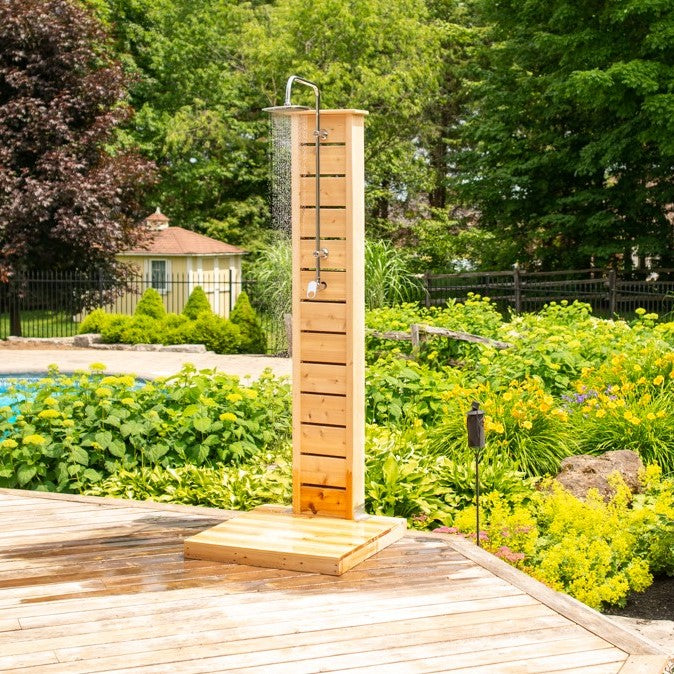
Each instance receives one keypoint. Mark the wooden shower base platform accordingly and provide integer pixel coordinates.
(272, 537)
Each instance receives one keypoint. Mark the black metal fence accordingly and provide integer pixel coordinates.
(50, 304)
(609, 292)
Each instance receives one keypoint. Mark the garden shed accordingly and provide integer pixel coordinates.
(174, 260)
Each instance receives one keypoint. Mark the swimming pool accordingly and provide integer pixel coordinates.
(9, 380)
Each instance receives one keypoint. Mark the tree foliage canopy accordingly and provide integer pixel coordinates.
(499, 131)
(66, 201)
(568, 150)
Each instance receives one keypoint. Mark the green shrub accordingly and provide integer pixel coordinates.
(177, 329)
(253, 339)
(141, 329)
(113, 329)
(197, 303)
(267, 478)
(217, 333)
(73, 431)
(94, 322)
(151, 304)
(588, 549)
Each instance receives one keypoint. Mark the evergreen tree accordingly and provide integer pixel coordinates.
(253, 339)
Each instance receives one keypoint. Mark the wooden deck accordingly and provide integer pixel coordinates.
(96, 585)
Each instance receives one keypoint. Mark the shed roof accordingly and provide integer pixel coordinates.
(180, 241)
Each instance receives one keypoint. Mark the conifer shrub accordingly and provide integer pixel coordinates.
(94, 322)
(151, 305)
(114, 327)
(177, 329)
(253, 339)
(141, 330)
(197, 303)
(217, 334)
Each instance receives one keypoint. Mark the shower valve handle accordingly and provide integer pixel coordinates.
(322, 253)
(320, 133)
(313, 287)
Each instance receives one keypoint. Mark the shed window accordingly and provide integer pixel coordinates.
(158, 269)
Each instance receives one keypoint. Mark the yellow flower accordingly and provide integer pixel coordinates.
(527, 424)
(48, 414)
(52, 402)
(250, 393)
(650, 416)
(68, 423)
(658, 380)
(600, 414)
(34, 440)
(77, 404)
(127, 401)
(97, 367)
(544, 407)
(234, 397)
(103, 392)
(9, 443)
(106, 381)
(636, 367)
(227, 416)
(507, 396)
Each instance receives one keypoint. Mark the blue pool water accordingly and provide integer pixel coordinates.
(8, 380)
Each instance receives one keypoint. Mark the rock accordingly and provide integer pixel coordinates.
(580, 473)
(144, 347)
(185, 348)
(87, 339)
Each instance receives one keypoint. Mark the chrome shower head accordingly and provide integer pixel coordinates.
(285, 109)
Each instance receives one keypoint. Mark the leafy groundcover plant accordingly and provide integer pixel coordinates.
(72, 431)
(595, 551)
(570, 383)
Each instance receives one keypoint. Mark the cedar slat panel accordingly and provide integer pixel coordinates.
(335, 290)
(322, 317)
(323, 501)
(333, 222)
(333, 160)
(318, 378)
(334, 124)
(327, 440)
(322, 470)
(333, 192)
(322, 409)
(336, 258)
(319, 347)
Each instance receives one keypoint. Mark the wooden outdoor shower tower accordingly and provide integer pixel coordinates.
(327, 530)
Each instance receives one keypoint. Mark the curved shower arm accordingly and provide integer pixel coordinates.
(319, 135)
(296, 78)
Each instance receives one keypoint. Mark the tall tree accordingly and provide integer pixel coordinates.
(380, 55)
(569, 143)
(66, 202)
(196, 115)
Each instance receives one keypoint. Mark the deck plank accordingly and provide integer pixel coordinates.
(95, 585)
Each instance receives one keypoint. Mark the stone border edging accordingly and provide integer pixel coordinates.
(93, 341)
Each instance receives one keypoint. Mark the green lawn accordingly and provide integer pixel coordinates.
(41, 324)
